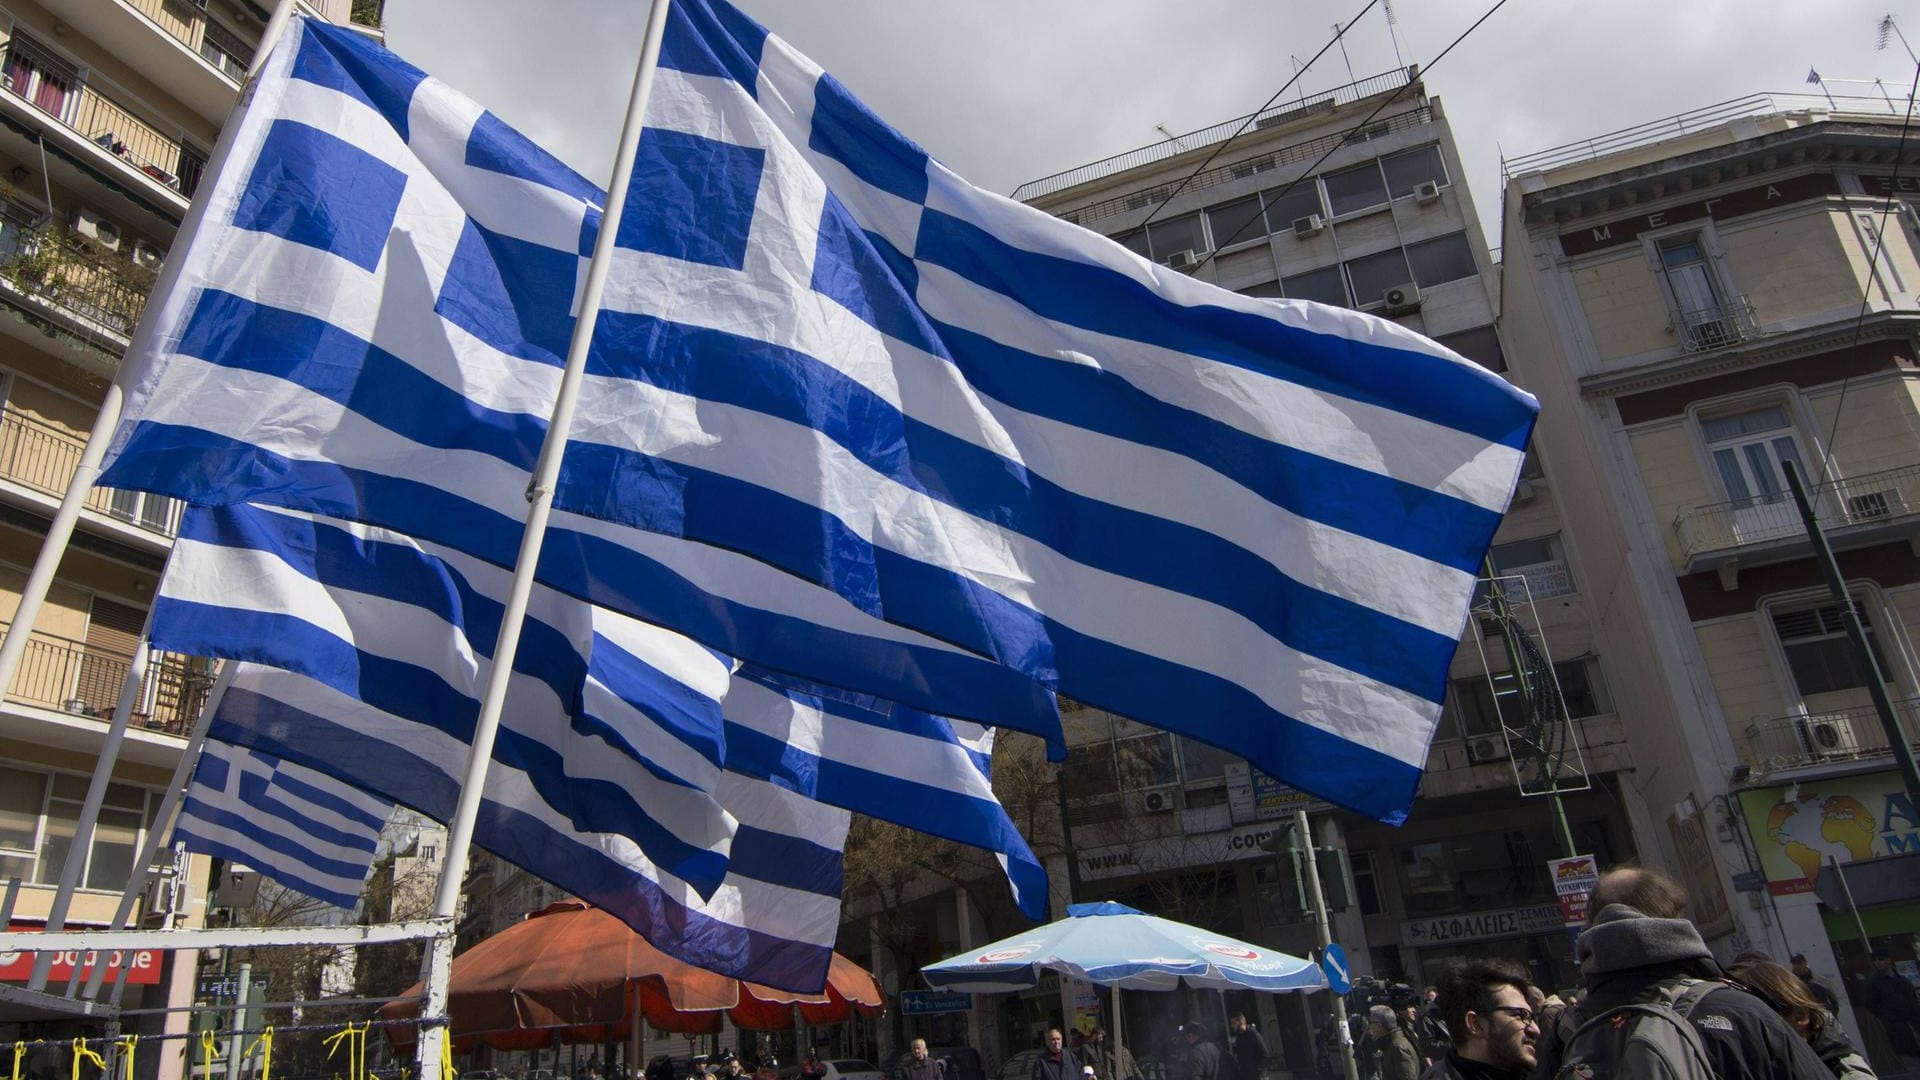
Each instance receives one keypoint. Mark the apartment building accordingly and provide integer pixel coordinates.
(1700, 301)
(108, 111)
(1354, 197)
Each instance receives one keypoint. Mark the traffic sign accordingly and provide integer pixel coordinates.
(1333, 961)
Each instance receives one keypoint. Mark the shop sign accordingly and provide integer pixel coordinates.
(1254, 796)
(1700, 873)
(928, 1002)
(1796, 828)
(141, 967)
(1482, 925)
(1175, 852)
(1573, 882)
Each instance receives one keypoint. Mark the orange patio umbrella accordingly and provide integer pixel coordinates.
(581, 973)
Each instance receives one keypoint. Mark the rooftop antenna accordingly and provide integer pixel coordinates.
(1299, 84)
(1393, 22)
(1889, 29)
(1342, 39)
(1171, 137)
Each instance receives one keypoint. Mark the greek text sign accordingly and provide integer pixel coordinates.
(1483, 925)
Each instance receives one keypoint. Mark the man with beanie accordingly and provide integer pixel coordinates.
(1641, 943)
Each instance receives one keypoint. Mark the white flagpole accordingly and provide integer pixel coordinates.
(53, 548)
(163, 822)
(437, 965)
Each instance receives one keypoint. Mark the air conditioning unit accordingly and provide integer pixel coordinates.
(1875, 505)
(147, 256)
(1401, 299)
(96, 230)
(1484, 748)
(1311, 225)
(1426, 192)
(1158, 801)
(1829, 737)
(1183, 260)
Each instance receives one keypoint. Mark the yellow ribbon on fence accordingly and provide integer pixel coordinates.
(19, 1051)
(209, 1053)
(264, 1044)
(446, 1056)
(81, 1055)
(128, 1044)
(355, 1039)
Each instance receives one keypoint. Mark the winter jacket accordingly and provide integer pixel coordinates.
(1399, 1060)
(1066, 1068)
(1624, 954)
(1451, 1066)
(1841, 1059)
(1203, 1061)
(1249, 1054)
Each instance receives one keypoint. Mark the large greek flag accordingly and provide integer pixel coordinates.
(1256, 523)
(300, 827)
(618, 728)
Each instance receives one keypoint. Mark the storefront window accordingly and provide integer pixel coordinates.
(1479, 871)
(1198, 761)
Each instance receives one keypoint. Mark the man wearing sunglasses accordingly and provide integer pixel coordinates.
(1484, 1004)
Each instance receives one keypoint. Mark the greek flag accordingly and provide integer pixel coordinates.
(298, 826)
(619, 728)
(1255, 523)
(771, 921)
(369, 323)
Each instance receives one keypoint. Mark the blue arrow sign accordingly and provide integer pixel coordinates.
(1333, 961)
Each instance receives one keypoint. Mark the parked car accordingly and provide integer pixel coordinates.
(1019, 1066)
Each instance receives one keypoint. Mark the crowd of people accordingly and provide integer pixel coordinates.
(1652, 1002)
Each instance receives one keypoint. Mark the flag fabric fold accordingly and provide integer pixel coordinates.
(300, 827)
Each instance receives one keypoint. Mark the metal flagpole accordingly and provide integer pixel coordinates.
(1320, 923)
(163, 822)
(437, 965)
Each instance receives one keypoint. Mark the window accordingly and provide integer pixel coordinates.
(1541, 560)
(116, 838)
(1690, 279)
(192, 166)
(1264, 290)
(1324, 285)
(22, 794)
(1144, 761)
(226, 50)
(1480, 703)
(1176, 234)
(1819, 656)
(1366, 883)
(1443, 259)
(1136, 242)
(1198, 761)
(1236, 222)
(1286, 205)
(1411, 168)
(1492, 869)
(1480, 345)
(1873, 242)
(35, 73)
(1748, 450)
(1350, 190)
(1372, 275)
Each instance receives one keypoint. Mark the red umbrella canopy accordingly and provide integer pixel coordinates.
(583, 973)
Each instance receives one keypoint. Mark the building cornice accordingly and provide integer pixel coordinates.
(1761, 351)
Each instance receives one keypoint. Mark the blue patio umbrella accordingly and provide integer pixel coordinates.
(1112, 944)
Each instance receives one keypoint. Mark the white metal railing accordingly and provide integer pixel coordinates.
(1801, 739)
(40, 456)
(1728, 323)
(1870, 499)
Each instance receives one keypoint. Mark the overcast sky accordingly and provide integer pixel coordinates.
(1006, 91)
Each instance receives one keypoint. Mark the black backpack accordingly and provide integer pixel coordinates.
(1648, 1038)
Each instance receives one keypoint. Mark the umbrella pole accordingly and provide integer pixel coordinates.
(637, 1042)
(1119, 1043)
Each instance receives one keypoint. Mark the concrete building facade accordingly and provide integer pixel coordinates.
(1707, 299)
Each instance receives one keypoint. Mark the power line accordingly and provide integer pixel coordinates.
(1361, 126)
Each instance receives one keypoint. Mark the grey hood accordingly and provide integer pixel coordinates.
(1622, 939)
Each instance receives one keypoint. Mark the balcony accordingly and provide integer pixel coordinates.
(100, 112)
(1717, 327)
(40, 456)
(1859, 509)
(69, 289)
(1798, 741)
(84, 680)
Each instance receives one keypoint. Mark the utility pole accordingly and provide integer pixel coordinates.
(1303, 836)
(1518, 667)
(1856, 633)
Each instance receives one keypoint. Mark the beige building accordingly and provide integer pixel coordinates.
(1353, 197)
(1697, 302)
(108, 111)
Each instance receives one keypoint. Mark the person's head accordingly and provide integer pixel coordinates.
(1407, 1011)
(1882, 960)
(1649, 892)
(1800, 965)
(1484, 1004)
(1098, 1036)
(733, 1067)
(1237, 1023)
(919, 1048)
(1536, 997)
(1783, 990)
(1055, 1040)
(1431, 993)
(1191, 1032)
(1380, 1021)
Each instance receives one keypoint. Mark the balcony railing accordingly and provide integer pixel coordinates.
(103, 114)
(1787, 742)
(40, 456)
(188, 23)
(85, 680)
(94, 293)
(1873, 499)
(1716, 327)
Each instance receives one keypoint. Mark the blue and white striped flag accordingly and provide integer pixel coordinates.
(606, 716)
(298, 826)
(1256, 523)
(772, 920)
(369, 324)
